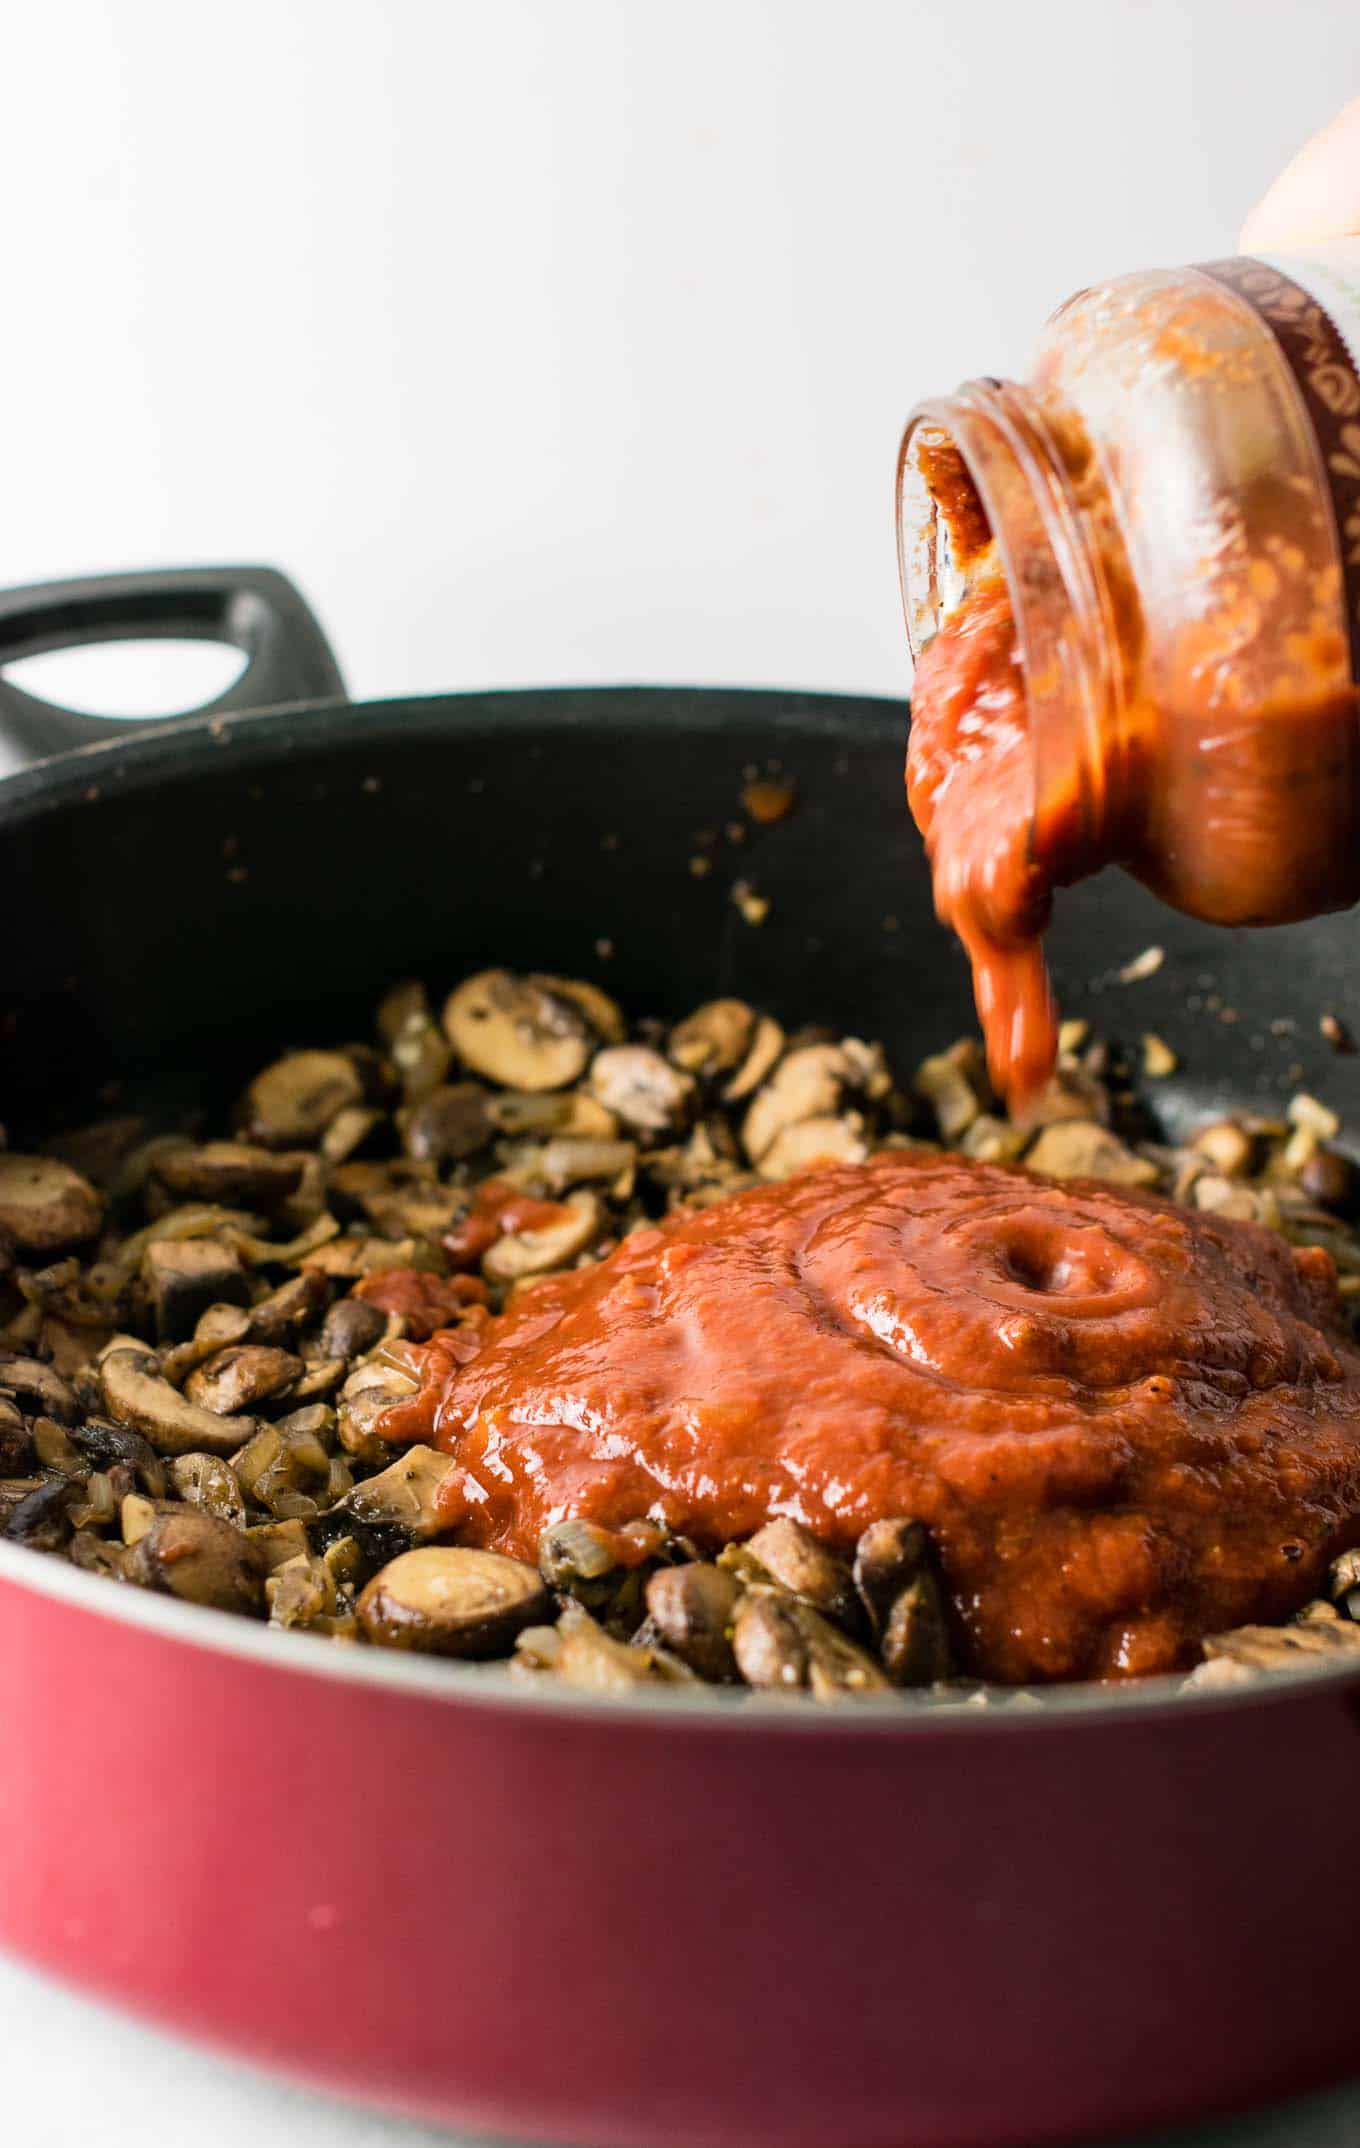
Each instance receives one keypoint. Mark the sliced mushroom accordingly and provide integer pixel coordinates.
(693, 1607)
(1077, 1148)
(604, 1014)
(538, 1252)
(889, 1555)
(448, 1601)
(291, 1103)
(302, 1595)
(370, 1390)
(781, 1644)
(117, 1446)
(448, 1124)
(190, 1553)
(805, 1568)
(1069, 1093)
(239, 1379)
(992, 1140)
(233, 1172)
(814, 1142)
(42, 1517)
(714, 1039)
(588, 1657)
(350, 1327)
(1265, 1648)
(44, 1204)
(99, 1151)
(37, 1387)
(915, 1638)
(574, 1113)
(284, 1471)
(134, 1392)
(184, 1276)
(278, 1542)
(567, 1160)
(16, 1446)
(642, 1089)
(295, 1304)
(811, 1083)
(205, 1480)
(517, 1033)
(404, 1496)
(955, 1085)
(761, 1058)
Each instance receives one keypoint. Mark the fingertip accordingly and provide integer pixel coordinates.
(1317, 195)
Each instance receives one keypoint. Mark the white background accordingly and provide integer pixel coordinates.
(559, 340)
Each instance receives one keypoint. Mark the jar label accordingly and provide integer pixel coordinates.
(1310, 300)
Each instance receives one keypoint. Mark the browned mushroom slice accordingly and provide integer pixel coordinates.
(1076, 1148)
(36, 1387)
(303, 1596)
(190, 1553)
(762, 1057)
(1228, 1147)
(538, 1252)
(955, 1085)
(642, 1089)
(451, 1122)
(16, 1446)
(567, 1160)
(44, 1204)
(291, 1103)
(793, 1557)
(604, 1014)
(350, 1327)
(814, 1142)
(118, 1449)
(588, 1657)
(184, 1276)
(1269, 1648)
(713, 1040)
(915, 1639)
(41, 1517)
(1069, 1093)
(205, 1480)
(813, 1082)
(405, 1496)
(693, 1608)
(98, 1151)
(781, 1644)
(233, 1172)
(134, 1392)
(448, 1601)
(295, 1304)
(238, 1379)
(575, 1113)
(285, 1471)
(517, 1033)
(371, 1389)
(278, 1542)
(349, 1130)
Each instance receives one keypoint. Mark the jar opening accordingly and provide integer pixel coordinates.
(981, 472)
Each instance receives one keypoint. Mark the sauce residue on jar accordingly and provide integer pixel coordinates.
(1238, 815)
(1127, 1425)
(971, 788)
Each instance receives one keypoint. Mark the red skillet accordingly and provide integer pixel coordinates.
(689, 1921)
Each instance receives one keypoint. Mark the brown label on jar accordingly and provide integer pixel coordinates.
(1311, 303)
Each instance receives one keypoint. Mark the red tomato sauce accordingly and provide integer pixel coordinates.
(1126, 1425)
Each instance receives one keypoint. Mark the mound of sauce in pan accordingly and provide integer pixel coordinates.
(1125, 1424)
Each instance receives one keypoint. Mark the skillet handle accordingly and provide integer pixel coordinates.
(254, 609)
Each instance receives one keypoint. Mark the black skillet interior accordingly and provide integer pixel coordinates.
(180, 904)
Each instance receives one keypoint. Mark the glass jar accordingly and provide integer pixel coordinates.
(1174, 496)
